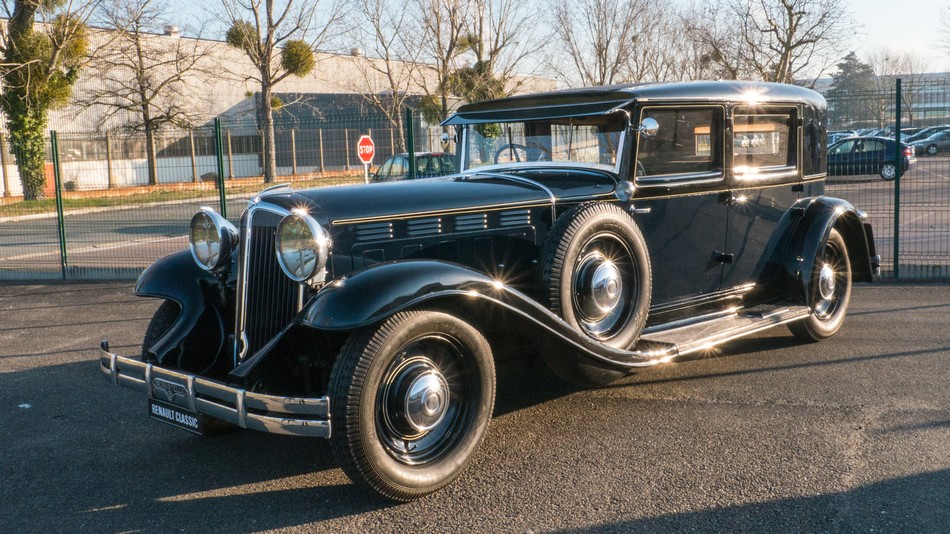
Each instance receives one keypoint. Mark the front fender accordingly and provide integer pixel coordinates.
(373, 294)
(807, 226)
(178, 278)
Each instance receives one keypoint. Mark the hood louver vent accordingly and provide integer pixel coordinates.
(515, 218)
(472, 222)
(374, 231)
(424, 227)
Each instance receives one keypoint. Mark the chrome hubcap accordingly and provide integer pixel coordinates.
(598, 286)
(826, 282)
(426, 400)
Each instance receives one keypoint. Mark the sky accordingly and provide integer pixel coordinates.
(906, 25)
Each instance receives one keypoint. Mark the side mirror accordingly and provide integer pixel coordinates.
(649, 127)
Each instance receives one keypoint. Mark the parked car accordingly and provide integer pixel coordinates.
(925, 133)
(604, 229)
(428, 165)
(933, 145)
(868, 155)
(834, 137)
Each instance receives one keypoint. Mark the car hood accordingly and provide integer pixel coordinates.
(344, 204)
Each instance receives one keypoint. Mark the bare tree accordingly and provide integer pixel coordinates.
(888, 65)
(774, 40)
(279, 37)
(389, 70)
(145, 80)
(444, 23)
(501, 37)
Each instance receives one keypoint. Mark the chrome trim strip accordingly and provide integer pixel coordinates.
(452, 211)
(296, 416)
(680, 180)
(148, 381)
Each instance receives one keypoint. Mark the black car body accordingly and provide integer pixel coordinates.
(868, 155)
(603, 229)
(428, 165)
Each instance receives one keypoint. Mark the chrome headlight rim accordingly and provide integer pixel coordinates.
(227, 235)
(319, 240)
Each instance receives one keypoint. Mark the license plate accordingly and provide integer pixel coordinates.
(175, 416)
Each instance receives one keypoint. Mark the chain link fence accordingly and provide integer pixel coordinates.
(120, 209)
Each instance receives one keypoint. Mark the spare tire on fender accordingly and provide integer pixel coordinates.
(595, 274)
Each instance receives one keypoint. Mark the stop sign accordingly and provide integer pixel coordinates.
(365, 149)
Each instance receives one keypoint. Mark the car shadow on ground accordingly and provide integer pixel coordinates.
(907, 504)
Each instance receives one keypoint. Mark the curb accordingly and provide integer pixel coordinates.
(84, 211)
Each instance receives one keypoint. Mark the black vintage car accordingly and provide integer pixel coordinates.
(605, 229)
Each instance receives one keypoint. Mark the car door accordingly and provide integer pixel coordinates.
(839, 158)
(871, 155)
(679, 174)
(765, 183)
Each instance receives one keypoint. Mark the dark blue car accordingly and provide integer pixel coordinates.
(868, 155)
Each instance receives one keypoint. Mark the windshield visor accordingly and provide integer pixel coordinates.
(583, 141)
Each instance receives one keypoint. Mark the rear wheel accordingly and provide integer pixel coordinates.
(411, 399)
(831, 283)
(888, 171)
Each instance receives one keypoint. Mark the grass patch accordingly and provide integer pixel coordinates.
(48, 205)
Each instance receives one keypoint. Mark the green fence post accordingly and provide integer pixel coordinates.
(410, 144)
(898, 155)
(58, 183)
(219, 151)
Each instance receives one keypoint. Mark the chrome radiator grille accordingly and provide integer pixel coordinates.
(270, 299)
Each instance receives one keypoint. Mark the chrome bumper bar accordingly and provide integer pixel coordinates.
(296, 416)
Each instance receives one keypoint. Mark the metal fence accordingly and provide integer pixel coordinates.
(110, 210)
(117, 213)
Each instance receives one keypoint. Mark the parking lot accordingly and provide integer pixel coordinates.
(768, 435)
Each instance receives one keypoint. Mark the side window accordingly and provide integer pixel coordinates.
(764, 140)
(814, 134)
(843, 148)
(384, 169)
(399, 167)
(687, 142)
(872, 145)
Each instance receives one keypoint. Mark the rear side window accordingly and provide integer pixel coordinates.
(870, 145)
(814, 134)
(687, 142)
(764, 141)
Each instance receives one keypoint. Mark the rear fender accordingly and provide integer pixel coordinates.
(178, 278)
(805, 230)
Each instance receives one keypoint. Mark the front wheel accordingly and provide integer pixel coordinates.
(410, 401)
(888, 171)
(932, 150)
(831, 284)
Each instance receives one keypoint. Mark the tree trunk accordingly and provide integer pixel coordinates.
(29, 146)
(267, 117)
(151, 157)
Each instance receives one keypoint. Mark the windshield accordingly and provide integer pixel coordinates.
(590, 141)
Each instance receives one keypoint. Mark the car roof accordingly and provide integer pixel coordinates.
(606, 99)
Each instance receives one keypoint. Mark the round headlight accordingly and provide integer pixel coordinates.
(212, 239)
(302, 246)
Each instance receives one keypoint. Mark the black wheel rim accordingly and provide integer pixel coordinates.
(425, 401)
(832, 282)
(604, 285)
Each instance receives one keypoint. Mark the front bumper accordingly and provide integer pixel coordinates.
(296, 416)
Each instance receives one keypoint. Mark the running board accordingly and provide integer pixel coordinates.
(705, 334)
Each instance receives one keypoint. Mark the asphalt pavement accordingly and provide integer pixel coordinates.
(767, 434)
